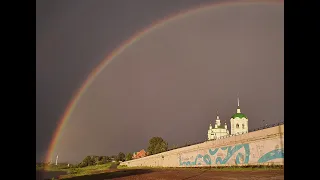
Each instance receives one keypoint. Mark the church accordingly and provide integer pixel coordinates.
(239, 125)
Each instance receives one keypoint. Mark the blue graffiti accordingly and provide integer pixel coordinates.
(207, 159)
(233, 150)
(199, 156)
(213, 152)
(243, 158)
(275, 154)
(239, 156)
(224, 148)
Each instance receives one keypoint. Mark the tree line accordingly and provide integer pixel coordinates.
(156, 145)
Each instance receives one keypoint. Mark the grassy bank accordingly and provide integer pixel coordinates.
(73, 172)
(76, 171)
(52, 168)
(104, 169)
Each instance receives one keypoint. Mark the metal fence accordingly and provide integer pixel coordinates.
(266, 126)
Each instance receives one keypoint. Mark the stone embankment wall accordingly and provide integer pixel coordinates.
(263, 147)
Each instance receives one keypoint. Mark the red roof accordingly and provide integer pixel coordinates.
(140, 154)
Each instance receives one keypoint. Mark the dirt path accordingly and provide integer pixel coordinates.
(113, 166)
(185, 174)
(208, 174)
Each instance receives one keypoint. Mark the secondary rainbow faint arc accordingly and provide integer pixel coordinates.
(62, 122)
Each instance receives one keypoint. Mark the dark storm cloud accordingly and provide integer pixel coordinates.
(169, 84)
(73, 37)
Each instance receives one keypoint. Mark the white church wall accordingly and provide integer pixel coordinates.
(240, 130)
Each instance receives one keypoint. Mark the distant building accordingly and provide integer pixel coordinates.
(239, 122)
(139, 154)
(218, 130)
(239, 125)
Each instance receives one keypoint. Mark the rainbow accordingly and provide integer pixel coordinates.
(136, 37)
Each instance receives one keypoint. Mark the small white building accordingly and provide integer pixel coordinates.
(239, 122)
(239, 125)
(218, 130)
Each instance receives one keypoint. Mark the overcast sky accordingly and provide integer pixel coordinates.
(170, 83)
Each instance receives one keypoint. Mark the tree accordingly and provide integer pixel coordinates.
(157, 145)
(103, 159)
(95, 159)
(121, 156)
(87, 161)
(129, 157)
(114, 157)
(108, 159)
(82, 164)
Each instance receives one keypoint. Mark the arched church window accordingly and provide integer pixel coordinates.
(242, 126)
(237, 126)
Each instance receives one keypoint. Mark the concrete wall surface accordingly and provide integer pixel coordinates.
(263, 147)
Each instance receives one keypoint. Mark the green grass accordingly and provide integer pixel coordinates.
(76, 171)
(99, 169)
(39, 168)
(73, 172)
(53, 168)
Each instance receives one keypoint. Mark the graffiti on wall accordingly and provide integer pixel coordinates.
(274, 154)
(238, 154)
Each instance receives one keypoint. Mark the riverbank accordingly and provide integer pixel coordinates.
(50, 172)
